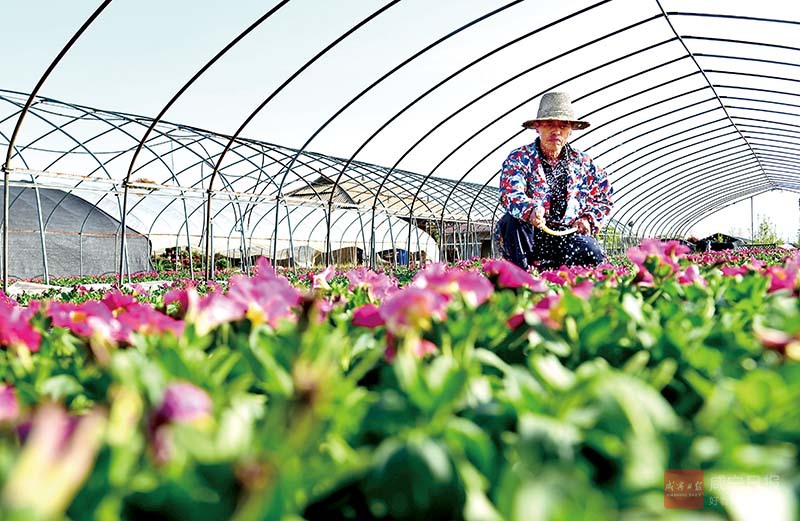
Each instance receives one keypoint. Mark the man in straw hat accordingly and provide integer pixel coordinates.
(555, 197)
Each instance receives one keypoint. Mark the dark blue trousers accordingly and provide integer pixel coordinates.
(526, 246)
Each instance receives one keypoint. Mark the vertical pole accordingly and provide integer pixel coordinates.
(752, 231)
(42, 239)
(6, 202)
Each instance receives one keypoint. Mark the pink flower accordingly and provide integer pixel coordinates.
(474, 288)
(6, 301)
(549, 311)
(368, 316)
(264, 298)
(419, 347)
(85, 319)
(732, 271)
(378, 285)
(143, 318)
(15, 327)
(781, 278)
(583, 289)
(9, 405)
(183, 402)
(516, 321)
(117, 301)
(509, 275)
(321, 279)
(412, 310)
(556, 277)
(657, 257)
(691, 275)
(424, 347)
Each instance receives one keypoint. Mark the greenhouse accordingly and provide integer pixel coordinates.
(400, 260)
(693, 114)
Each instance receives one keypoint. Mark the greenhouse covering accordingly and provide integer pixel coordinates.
(353, 146)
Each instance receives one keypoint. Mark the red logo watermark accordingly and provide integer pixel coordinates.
(683, 488)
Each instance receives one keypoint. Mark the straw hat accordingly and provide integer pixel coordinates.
(556, 106)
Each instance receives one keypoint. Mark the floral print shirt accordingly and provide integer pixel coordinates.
(523, 187)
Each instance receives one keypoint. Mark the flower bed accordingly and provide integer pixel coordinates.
(476, 392)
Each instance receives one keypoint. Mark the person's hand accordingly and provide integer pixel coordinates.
(537, 219)
(583, 226)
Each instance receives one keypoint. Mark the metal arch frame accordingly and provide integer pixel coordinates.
(766, 148)
(15, 133)
(343, 36)
(471, 64)
(763, 170)
(723, 201)
(713, 86)
(729, 169)
(169, 104)
(379, 81)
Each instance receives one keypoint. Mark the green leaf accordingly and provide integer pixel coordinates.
(60, 387)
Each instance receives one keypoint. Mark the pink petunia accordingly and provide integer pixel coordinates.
(781, 278)
(378, 285)
(143, 318)
(117, 302)
(9, 405)
(583, 289)
(732, 271)
(84, 319)
(183, 402)
(15, 327)
(474, 288)
(515, 321)
(412, 310)
(321, 279)
(549, 310)
(664, 254)
(691, 275)
(509, 275)
(368, 316)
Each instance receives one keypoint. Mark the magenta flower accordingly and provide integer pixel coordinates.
(731, 271)
(144, 319)
(6, 301)
(583, 289)
(424, 347)
(117, 301)
(15, 327)
(549, 311)
(183, 402)
(515, 321)
(265, 298)
(781, 278)
(91, 319)
(9, 405)
(691, 275)
(556, 277)
(509, 275)
(474, 288)
(378, 285)
(662, 257)
(57, 456)
(368, 316)
(212, 310)
(412, 310)
(321, 279)
(420, 347)
(183, 298)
